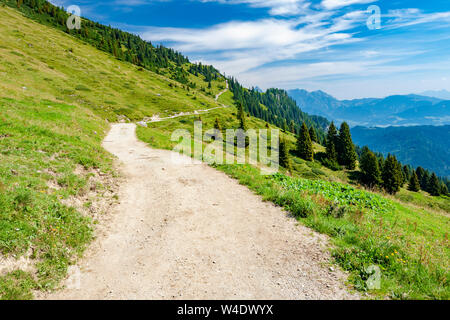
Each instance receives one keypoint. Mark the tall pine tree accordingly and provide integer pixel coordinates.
(331, 143)
(434, 187)
(304, 144)
(313, 135)
(414, 183)
(392, 175)
(345, 148)
(369, 168)
(285, 160)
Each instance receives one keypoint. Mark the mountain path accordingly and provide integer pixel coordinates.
(156, 118)
(188, 231)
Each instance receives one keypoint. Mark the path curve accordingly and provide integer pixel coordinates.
(184, 231)
(156, 118)
(223, 91)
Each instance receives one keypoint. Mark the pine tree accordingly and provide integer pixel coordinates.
(285, 160)
(345, 148)
(369, 168)
(414, 183)
(392, 175)
(434, 186)
(292, 126)
(312, 134)
(444, 189)
(331, 143)
(425, 181)
(304, 144)
(285, 127)
(241, 117)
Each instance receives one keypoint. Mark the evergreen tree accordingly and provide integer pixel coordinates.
(391, 175)
(285, 160)
(304, 144)
(434, 186)
(345, 148)
(331, 143)
(292, 125)
(241, 117)
(414, 183)
(312, 134)
(369, 168)
(444, 189)
(425, 181)
(406, 173)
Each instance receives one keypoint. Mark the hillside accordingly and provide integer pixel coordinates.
(398, 110)
(425, 146)
(57, 183)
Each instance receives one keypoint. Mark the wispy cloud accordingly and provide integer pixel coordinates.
(334, 4)
(276, 7)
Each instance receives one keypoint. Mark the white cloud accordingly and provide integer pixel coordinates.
(335, 4)
(238, 46)
(276, 7)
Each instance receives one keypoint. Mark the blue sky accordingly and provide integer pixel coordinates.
(310, 44)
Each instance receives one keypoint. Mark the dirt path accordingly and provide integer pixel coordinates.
(186, 231)
(156, 118)
(223, 91)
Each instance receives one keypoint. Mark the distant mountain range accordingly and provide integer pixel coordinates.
(441, 94)
(397, 110)
(425, 146)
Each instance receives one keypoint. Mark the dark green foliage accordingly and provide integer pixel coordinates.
(369, 167)
(304, 144)
(434, 186)
(285, 160)
(313, 135)
(276, 107)
(392, 175)
(345, 148)
(406, 174)
(414, 183)
(241, 117)
(331, 143)
(444, 189)
(292, 127)
(424, 178)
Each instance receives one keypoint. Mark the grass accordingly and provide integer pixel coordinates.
(41, 144)
(39, 61)
(410, 247)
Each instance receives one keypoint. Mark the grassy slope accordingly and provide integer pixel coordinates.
(55, 94)
(94, 86)
(52, 65)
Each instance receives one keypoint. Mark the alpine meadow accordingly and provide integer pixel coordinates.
(91, 118)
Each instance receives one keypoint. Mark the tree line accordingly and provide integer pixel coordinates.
(376, 171)
(276, 107)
